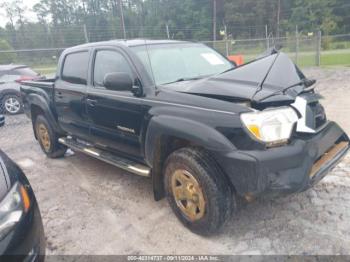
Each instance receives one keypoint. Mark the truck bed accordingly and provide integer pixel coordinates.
(44, 83)
(34, 89)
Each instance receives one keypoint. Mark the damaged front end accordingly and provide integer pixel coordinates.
(309, 145)
(285, 143)
(293, 167)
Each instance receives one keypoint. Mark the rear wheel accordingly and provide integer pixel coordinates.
(11, 104)
(197, 191)
(48, 138)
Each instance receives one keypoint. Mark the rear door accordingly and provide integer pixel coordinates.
(116, 116)
(70, 94)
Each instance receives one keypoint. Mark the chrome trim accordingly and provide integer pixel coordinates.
(122, 163)
(328, 157)
(325, 168)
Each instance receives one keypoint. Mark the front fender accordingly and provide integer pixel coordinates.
(182, 128)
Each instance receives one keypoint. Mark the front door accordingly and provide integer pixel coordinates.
(115, 116)
(70, 92)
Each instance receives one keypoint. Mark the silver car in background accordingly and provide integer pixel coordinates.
(10, 79)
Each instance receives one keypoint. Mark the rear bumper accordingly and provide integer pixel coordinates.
(287, 169)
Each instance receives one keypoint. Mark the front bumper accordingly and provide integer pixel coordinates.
(287, 169)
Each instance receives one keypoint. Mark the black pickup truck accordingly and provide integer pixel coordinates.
(206, 132)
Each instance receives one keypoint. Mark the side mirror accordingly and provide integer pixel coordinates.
(118, 82)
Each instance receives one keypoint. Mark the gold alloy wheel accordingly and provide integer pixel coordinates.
(43, 135)
(188, 194)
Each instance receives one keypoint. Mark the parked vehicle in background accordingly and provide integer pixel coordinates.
(21, 227)
(10, 79)
(207, 133)
(2, 120)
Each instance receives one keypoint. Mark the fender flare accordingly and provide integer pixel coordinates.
(39, 101)
(196, 132)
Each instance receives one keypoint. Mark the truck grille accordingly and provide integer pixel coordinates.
(312, 113)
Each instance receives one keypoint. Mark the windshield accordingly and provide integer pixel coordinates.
(179, 62)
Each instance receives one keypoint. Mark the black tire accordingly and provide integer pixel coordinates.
(54, 149)
(220, 201)
(17, 104)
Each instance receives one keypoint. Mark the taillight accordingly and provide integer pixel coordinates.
(24, 78)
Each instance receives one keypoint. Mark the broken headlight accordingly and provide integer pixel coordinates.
(272, 126)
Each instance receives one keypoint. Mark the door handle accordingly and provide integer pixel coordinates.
(59, 95)
(91, 102)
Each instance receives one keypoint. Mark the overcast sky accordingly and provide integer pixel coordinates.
(29, 14)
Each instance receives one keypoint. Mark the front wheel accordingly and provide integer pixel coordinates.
(48, 139)
(197, 191)
(12, 104)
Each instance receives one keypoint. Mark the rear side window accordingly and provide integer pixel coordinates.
(75, 68)
(108, 61)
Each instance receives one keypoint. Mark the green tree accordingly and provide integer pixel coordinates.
(311, 15)
(248, 18)
(61, 22)
(6, 58)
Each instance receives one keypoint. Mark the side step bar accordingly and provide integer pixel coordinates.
(107, 157)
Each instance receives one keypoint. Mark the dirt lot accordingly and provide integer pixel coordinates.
(90, 207)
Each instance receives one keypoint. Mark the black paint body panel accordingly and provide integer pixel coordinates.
(282, 170)
(204, 112)
(26, 240)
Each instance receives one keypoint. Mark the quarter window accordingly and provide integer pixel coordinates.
(75, 68)
(108, 61)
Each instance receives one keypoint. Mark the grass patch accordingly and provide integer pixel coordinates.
(327, 59)
(307, 59)
(49, 70)
(336, 59)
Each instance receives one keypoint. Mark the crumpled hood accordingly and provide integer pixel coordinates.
(259, 81)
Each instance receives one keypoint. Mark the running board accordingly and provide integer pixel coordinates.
(107, 157)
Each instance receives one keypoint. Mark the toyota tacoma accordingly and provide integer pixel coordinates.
(208, 133)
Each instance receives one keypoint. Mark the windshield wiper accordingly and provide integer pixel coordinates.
(306, 82)
(182, 79)
(228, 70)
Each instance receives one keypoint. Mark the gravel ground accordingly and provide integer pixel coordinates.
(89, 207)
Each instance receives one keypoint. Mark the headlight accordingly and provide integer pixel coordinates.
(12, 207)
(271, 126)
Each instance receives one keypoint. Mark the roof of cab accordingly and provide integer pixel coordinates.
(129, 43)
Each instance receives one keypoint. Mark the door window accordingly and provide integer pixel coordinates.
(75, 68)
(108, 61)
